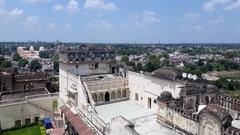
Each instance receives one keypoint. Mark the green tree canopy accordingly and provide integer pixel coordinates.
(16, 57)
(43, 54)
(35, 65)
(125, 59)
(6, 64)
(153, 64)
(139, 67)
(22, 63)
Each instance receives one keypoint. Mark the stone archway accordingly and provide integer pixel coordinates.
(207, 100)
(94, 97)
(107, 97)
(119, 94)
(100, 97)
(113, 96)
(124, 93)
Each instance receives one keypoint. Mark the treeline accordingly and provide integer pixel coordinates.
(211, 65)
(152, 64)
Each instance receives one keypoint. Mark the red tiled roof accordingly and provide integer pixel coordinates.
(79, 125)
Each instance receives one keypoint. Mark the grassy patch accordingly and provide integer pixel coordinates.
(235, 94)
(33, 130)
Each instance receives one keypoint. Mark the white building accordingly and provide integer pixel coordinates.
(100, 90)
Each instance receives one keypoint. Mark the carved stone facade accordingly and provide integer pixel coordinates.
(11, 84)
(214, 119)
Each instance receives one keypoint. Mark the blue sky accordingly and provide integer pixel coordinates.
(121, 21)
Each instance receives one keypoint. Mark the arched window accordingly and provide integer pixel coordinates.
(107, 97)
(119, 94)
(101, 97)
(113, 96)
(124, 93)
(94, 96)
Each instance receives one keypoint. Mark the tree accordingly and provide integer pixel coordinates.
(131, 63)
(55, 59)
(43, 54)
(56, 66)
(165, 55)
(139, 67)
(16, 57)
(6, 64)
(22, 63)
(153, 64)
(166, 62)
(35, 65)
(125, 59)
(200, 63)
(1, 60)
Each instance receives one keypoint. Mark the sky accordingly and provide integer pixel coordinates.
(121, 21)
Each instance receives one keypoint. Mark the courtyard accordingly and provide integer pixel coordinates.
(32, 130)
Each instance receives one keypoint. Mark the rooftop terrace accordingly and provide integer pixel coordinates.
(145, 122)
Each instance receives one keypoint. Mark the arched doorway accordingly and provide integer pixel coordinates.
(119, 94)
(113, 95)
(94, 97)
(207, 100)
(106, 97)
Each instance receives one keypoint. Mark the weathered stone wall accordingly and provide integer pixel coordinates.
(34, 85)
(35, 108)
(184, 123)
(209, 126)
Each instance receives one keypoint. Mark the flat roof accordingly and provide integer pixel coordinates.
(145, 122)
(148, 126)
(126, 109)
(102, 77)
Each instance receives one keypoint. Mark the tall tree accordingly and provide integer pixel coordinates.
(6, 64)
(35, 65)
(22, 63)
(16, 57)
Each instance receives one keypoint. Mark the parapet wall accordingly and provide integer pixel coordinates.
(231, 131)
(181, 121)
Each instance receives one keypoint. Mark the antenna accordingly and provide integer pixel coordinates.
(189, 76)
(184, 75)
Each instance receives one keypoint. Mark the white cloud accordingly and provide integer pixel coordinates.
(191, 16)
(34, 1)
(73, 6)
(67, 26)
(145, 18)
(99, 4)
(198, 28)
(2, 2)
(51, 25)
(14, 13)
(218, 19)
(31, 21)
(191, 28)
(58, 7)
(150, 17)
(100, 24)
(210, 5)
(233, 5)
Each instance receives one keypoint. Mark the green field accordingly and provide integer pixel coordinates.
(33, 130)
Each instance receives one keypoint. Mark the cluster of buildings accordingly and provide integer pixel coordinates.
(99, 96)
(29, 54)
(112, 100)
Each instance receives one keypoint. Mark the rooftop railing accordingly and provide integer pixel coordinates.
(26, 99)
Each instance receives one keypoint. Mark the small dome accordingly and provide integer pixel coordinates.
(31, 48)
(41, 48)
(165, 96)
(20, 49)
